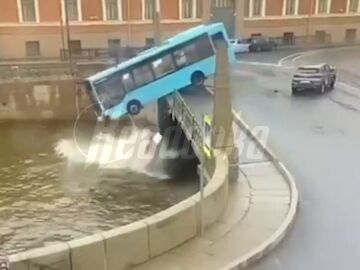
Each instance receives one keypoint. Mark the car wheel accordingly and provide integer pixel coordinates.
(253, 48)
(294, 91)
(332, 85)
(322, 88)
(133, 107)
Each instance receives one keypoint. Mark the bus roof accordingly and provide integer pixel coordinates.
(171, 42)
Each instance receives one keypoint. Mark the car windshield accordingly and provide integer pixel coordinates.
(309, 70)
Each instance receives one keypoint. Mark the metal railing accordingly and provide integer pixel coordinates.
(193, 130)
(120, 53)
(34, 71)
(302, 40)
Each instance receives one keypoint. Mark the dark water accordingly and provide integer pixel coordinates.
(48, 193)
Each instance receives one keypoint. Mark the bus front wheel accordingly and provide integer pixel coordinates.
(134, 107)
(198, 78)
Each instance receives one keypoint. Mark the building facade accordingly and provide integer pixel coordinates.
(322, 20)
(32, 29)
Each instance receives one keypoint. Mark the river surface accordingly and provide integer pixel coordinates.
(51, 190)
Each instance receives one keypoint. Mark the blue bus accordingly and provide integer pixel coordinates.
(185, 59)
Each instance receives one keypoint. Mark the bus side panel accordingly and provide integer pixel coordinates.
(171, 82)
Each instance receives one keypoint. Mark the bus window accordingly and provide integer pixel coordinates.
(163, 66)
(197, 50)
(92, 97)
(180, 58)
(204, 48)
(111, 91)
(142, 74)
(128, 81)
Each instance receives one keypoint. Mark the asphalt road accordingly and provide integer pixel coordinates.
(318, 138)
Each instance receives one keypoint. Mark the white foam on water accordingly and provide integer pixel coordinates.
(134, 150)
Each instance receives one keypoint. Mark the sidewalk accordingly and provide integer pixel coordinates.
(258, 207)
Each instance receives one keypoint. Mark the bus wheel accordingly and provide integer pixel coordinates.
(134, 107)
(198, 78)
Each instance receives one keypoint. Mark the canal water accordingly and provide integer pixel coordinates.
(60, 181)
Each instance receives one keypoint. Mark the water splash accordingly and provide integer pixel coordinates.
(133, 150)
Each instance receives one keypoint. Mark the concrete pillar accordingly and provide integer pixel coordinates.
(239, 18)
(206, 12)
(157, 22)
(223, 135)
(222, 113)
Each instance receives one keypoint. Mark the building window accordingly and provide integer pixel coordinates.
(32, 48)
(149, 42)
(224, 3)
(112, 8)
(350, 35)
(257, 8)
(288, 38)
(28, 11)
(323, 6)
(353, 6)
(320, 37)
(291, 7)
(199, 9)
(75, 47)
(191, 9)
(114, 43)
(72, 9)
(114, 48)
(149, 9)
(187, 9)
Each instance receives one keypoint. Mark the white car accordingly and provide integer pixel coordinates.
(240, 45)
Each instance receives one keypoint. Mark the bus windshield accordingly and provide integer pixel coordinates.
(185, 59)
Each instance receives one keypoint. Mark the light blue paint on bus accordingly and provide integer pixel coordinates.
(169, 83)
(163, 87)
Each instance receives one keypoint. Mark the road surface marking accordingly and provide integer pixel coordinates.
(296, 56)
(263, 64)
(351, 87)
(258, 63)
(282, 60)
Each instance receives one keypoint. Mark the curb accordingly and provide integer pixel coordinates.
(269, 244)
(316, 46)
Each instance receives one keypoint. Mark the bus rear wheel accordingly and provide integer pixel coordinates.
(134, 107)
(198, 78)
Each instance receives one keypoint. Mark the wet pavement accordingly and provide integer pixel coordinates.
(317, 137)
(50, 192)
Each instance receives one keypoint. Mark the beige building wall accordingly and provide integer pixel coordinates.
(13, 46)
(335, 26)
(132, 30)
